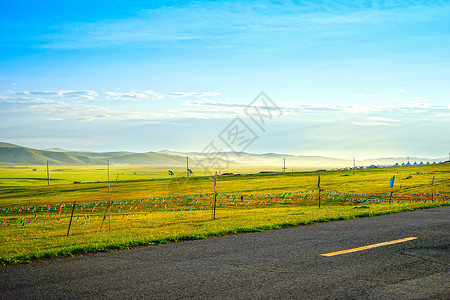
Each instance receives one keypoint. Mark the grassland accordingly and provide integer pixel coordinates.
(151, 208)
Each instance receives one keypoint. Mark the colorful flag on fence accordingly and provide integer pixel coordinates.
(391, 182)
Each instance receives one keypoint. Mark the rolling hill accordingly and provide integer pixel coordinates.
(10, 153)
(14, 154)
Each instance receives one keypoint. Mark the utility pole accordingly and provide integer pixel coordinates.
(109, 187)
(187, 166)
(408, 160)
(213, 217)
(284, 164)
(318, 186)
(354, 165)
(48, 175)
(215, 201)
(109, 201)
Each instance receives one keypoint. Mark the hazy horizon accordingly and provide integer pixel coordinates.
(234, 155)
(341, 79)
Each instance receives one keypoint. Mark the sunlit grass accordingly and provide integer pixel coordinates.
(34, 218)
(38, 240)
(362, 181)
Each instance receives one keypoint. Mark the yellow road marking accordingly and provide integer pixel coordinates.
(370, 246)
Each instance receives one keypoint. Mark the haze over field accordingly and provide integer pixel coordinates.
(343, 78)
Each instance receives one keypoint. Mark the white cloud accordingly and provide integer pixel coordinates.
(210, 102)
(226, 113)
(23, 100)
(383, 119)
(163, 123)
(90, 95)
(367, 109)
(334, 107)
(89, 113)
(192, 94)
(371, 123)
(93, 95)
(369, 95)
(133, 96)
(377, 121)
(137, 95)
(112, 115)
(52, 104)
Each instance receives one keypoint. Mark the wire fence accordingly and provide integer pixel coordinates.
(88, 215)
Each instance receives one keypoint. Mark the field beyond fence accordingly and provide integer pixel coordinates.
(31, 230)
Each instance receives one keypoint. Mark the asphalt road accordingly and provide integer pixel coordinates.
(280, 264)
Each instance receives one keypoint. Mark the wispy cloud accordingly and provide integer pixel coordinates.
(210, 102)
(88, 113)
(383, 119)
(114, 115)
(136, 95)
(192, 94)
(91, 95)
(133, 96)
(372, 123)
(231, 20)
(85, 95)
(369, 95)
(415, 106)
(377, 121)
(56, 102)
(23, 99)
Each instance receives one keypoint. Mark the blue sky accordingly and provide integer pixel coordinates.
(352, 78)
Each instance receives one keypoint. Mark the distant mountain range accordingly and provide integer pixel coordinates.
(10, 153)
(14, 154)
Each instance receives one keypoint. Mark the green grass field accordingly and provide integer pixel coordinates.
(151, 208)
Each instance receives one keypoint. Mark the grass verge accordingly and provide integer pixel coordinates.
(34, 242)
